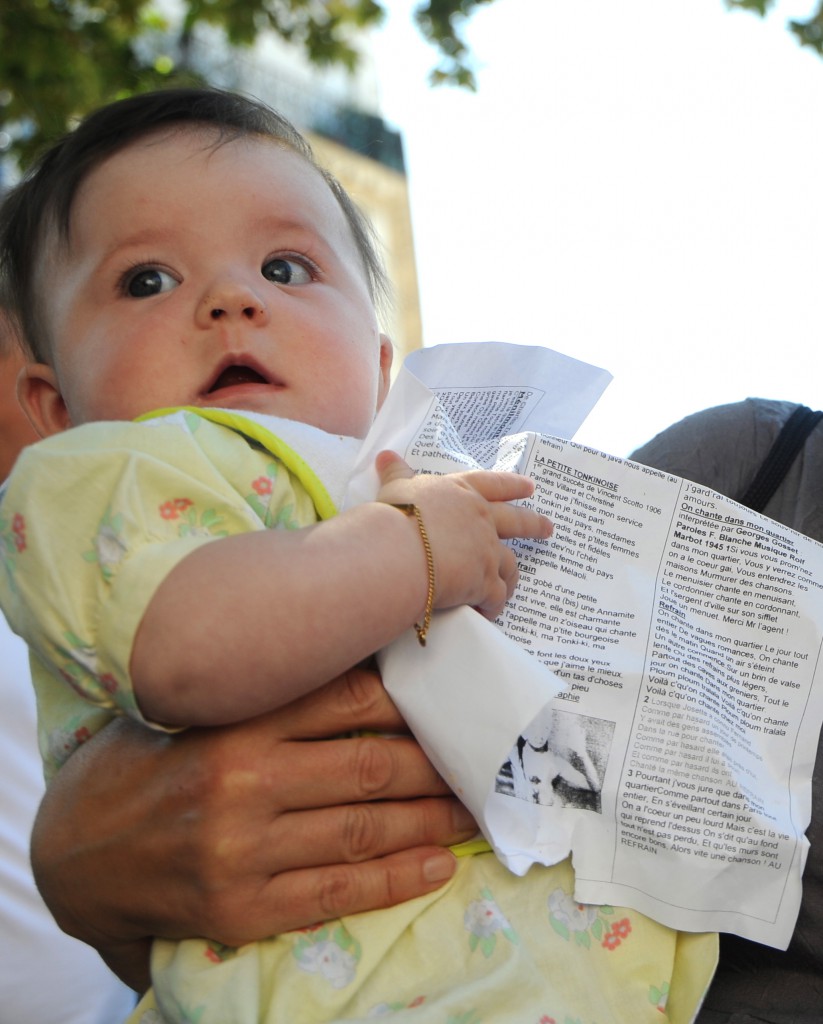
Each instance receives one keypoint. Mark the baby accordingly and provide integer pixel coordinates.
(181, 260)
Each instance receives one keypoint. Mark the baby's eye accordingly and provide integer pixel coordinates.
(149, 281)
(286, 271)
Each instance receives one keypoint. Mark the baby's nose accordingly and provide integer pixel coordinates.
(232, 300)
(251, 312)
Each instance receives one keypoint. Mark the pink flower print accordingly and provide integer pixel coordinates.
(172, 509)
(336, 965)
(547, 1020)
(82, 734)
(482, 919)
(18, 528)
(658, 997)
(619, 931)
(580, 922)
(109, 545)
(108, 682)
(61, 743)
(577, 917)
(217, 952)
(331, 953)
(262, 486)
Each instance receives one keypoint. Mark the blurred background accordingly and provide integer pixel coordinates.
(635, 183)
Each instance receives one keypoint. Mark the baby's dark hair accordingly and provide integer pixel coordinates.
(43, 200)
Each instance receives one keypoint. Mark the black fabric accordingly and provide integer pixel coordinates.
(780, 457)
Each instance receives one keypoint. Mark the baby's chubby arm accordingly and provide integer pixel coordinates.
(286, 610)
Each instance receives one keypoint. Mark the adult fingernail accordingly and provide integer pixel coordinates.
(439, 867)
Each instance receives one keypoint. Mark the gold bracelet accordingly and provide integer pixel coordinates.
(422, 629)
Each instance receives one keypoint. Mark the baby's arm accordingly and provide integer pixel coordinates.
(287, 610)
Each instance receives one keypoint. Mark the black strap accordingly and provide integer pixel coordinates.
(781, 455)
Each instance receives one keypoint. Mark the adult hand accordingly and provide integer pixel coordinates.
(245, 831)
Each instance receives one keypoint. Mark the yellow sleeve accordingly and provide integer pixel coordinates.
(94, 519)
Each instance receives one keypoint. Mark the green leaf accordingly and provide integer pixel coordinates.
(810, 32)
(758, 6)
(59, 59)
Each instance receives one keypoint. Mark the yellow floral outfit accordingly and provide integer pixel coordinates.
(91, 522)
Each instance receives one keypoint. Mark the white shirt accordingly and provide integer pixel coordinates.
(46, 977)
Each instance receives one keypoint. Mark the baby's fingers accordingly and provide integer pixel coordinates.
(391, 466)
(503, 590)
(499, 486)
(515, 521)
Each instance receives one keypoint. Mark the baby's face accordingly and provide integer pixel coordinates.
(219, 276)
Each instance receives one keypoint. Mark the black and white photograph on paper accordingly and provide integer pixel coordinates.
(561, 759)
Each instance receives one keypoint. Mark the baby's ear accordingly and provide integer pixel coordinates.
(386, 358)
(41, 399)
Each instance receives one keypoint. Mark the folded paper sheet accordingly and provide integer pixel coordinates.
(651, 698)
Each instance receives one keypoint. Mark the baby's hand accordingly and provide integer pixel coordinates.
(466, 515)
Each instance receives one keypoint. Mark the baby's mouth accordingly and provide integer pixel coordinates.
(233, 376)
